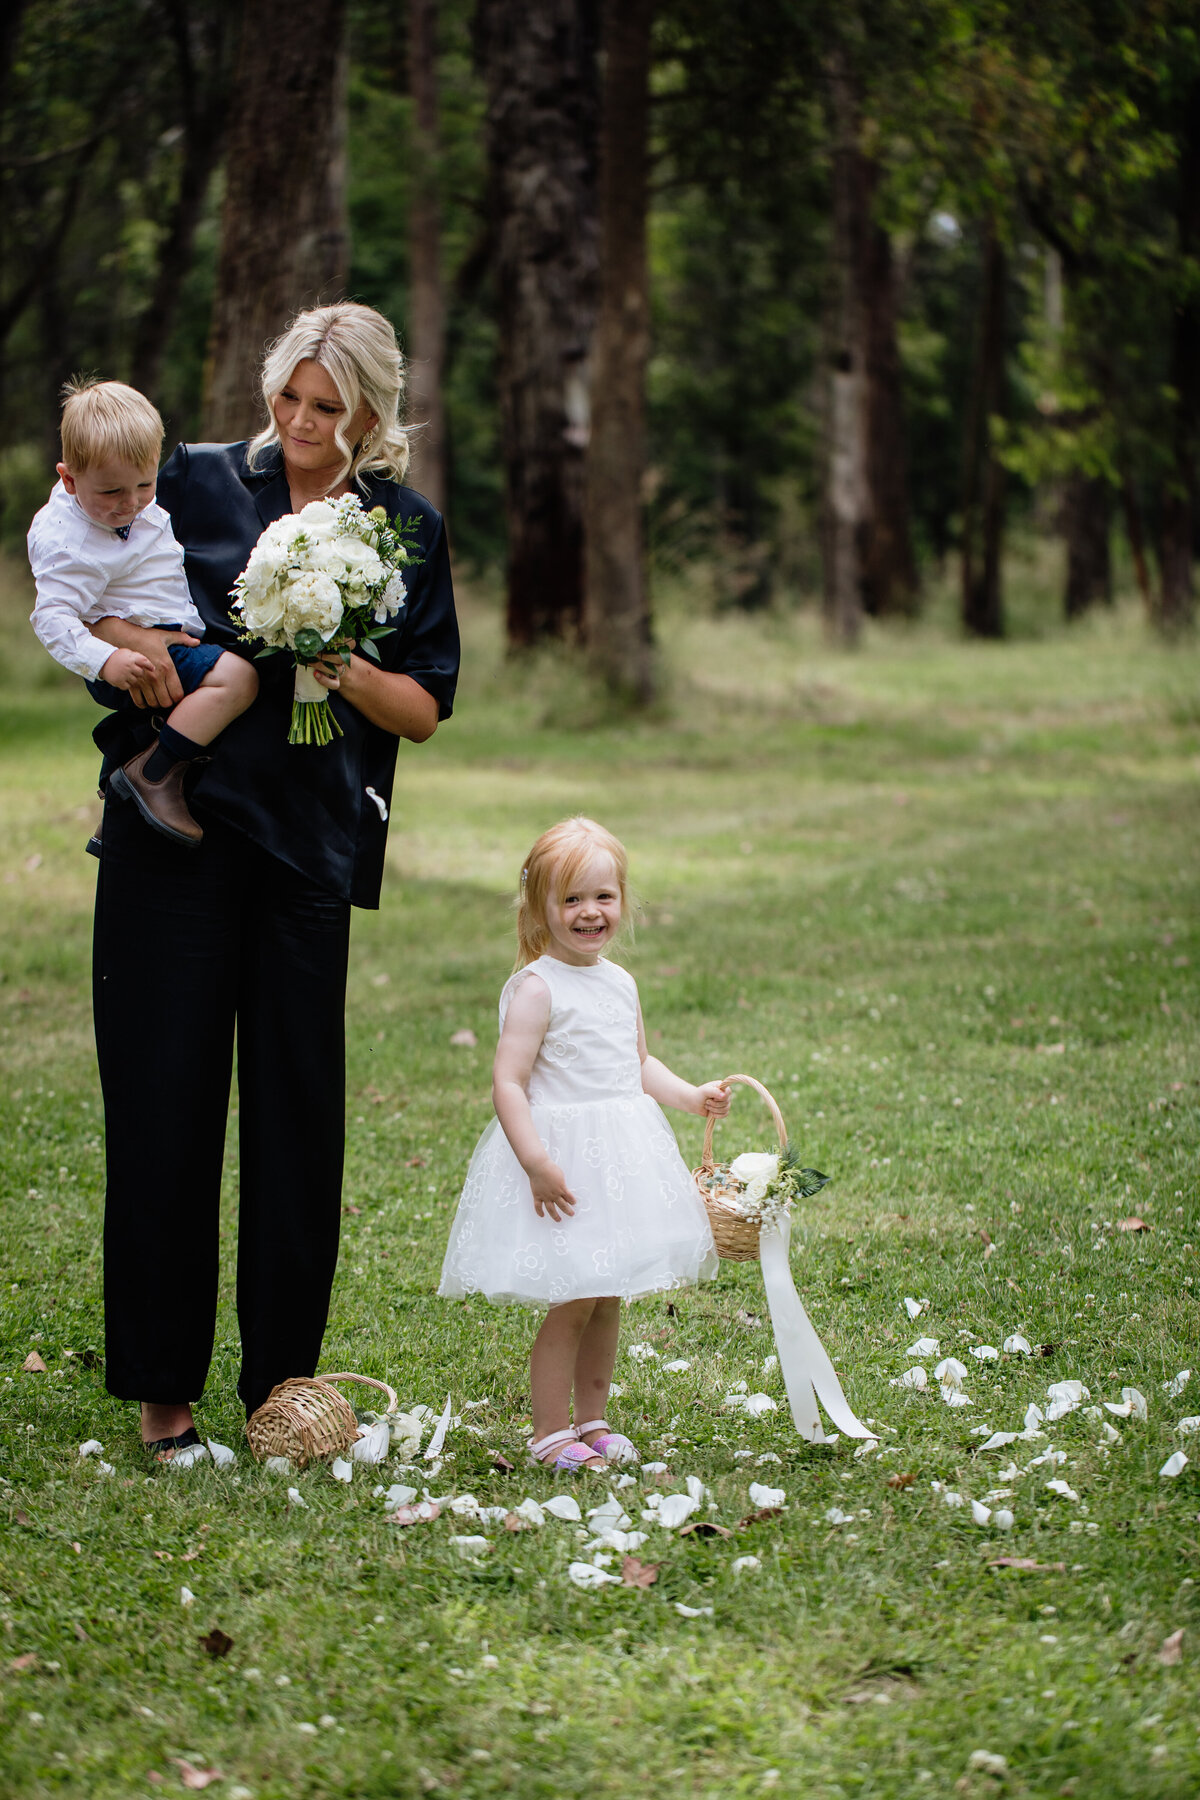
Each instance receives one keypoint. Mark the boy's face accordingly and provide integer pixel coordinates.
(112, 493)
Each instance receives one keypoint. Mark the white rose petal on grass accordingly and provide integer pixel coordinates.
(341, 1470)
(470, 1546)
(660, 1468)
(912, 1378)
(296, 1498)
(1172, 1389)
(1002, 1519)
(1062, 1488)
(278, 1465)
(1189, 1426)
(221, 1454)
(677, 1367)
(563, 1506)
(642, 1353)
(999, 1439)
(92, 1447)
(610, 1513)
(1175, 1464)
(988, 1762)
(835, 1516)
(924, 1346)
(953, 1499)
(1016, 1345)
(587, 1575)
(105, 1468)
(955, 1397)
(693, 1612)
(741, 1563)
(186, 1597)
(950, 1372)
(980, 1513)
(766, 1496)
(531, 1512)
(770, 1363)
(465, 1506)
(914, 1308)
(188, 1458)
(398, 1495)
(985, 1352)
(673, 1509)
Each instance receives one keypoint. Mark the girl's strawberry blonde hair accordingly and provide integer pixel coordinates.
(553, 867)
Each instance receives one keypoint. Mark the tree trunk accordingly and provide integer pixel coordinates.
(1084, 521)
(847, 490)
(1132, 509)
(617, 616)
(283, 225)
(890, 580)
(203, 81)
(427, 301)
(983, 473)
(539, 59)
(1179, 500)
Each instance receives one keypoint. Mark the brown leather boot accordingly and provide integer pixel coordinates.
(161, 803)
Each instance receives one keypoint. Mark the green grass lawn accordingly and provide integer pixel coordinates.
(942, 899)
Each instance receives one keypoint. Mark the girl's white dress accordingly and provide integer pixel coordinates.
(639, 1226)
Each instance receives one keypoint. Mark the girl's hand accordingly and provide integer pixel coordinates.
(715, 1099)
(551, 1195)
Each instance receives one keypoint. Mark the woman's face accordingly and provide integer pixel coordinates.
(308, 410)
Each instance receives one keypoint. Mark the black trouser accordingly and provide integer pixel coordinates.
(186, 943)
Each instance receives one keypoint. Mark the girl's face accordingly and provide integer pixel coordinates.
(308, 411)
(585, 920)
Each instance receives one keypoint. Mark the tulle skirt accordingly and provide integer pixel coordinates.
(639, 1226)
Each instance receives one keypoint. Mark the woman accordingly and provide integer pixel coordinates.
(250, 929)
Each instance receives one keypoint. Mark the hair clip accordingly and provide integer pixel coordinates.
(524, 876)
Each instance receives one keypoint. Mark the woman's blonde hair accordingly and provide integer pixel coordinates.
(552, 868)
(105, 421)
(357, 348)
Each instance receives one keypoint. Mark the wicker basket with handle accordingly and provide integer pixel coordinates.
(735, 1236)
(306, 1419)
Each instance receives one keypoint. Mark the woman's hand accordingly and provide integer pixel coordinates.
(161, 689)
(550, 1192)
(395, 703)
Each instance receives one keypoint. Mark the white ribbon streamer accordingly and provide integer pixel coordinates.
(807, 1371)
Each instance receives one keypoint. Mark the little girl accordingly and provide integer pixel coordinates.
(577, 1197)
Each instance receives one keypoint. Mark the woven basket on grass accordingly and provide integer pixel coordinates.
(735, 1236)
(306, 1420)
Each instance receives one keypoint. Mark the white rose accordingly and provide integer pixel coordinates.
(757, 1169)
(263, 612)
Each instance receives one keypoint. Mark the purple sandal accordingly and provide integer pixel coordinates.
(565, 1451)
(613, 1446)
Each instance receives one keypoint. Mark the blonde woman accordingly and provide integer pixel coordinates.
(248, 932)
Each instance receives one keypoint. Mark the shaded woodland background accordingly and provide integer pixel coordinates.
(828, 299)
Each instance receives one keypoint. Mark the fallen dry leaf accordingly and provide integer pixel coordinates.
(33, 1364)
(23, 1518)
(639, 1574)
(502, 1465)
(87, 1359)
(1134, 1224)
(1172, 1649)
(706, 1528)
(901, 1479)
(352, 1209)
(424, 1514)
(216, 1642)
(415, 1162)
(20, 1663)
(761, 1516)
(191, 1555)
(196, 1779)
(1028, 1564)
(514, 1522)
(164, 1556)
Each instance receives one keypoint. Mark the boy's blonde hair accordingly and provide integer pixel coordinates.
(105, 421)
(357, 348)
(552, 868)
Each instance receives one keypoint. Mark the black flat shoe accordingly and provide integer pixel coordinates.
(163, 1449)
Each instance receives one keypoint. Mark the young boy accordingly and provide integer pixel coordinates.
(101, 548)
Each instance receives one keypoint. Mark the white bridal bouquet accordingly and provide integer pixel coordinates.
(328, 575)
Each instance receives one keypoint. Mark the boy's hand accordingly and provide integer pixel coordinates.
(550, 1192)
(715, 1099)
(126, 669)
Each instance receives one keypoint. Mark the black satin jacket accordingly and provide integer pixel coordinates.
(307, 805)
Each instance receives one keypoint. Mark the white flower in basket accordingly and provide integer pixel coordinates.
(330, 575)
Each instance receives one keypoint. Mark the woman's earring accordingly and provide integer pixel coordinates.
(367, 439)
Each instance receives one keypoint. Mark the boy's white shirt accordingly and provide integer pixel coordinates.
(85, 572)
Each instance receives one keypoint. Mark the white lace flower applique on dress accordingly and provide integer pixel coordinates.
(639, 1226)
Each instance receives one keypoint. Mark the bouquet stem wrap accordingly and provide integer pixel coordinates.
(313, 719)
(808, 1374)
